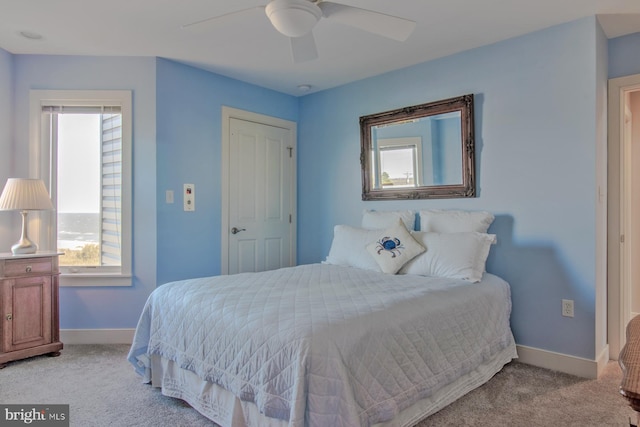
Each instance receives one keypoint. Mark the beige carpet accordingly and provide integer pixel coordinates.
(102, 390)
(523, 395)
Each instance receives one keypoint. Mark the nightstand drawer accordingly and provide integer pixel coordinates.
(22, 267)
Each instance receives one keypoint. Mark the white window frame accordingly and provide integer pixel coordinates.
(40, 166)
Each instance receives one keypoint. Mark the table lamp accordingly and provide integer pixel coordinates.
(24, 195)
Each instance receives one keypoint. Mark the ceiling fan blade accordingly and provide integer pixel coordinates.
(303, 48)
(382, 24)
(196, 24)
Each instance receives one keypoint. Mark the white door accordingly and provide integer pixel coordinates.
(261, 197)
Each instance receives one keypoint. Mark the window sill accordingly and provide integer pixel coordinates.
(91, 280)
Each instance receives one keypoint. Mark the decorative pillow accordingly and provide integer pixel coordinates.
(394, 248)
(452, 221)
(349, 247)
(454, 255)
(385, 219)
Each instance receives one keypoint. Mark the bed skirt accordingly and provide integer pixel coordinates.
(225, 409)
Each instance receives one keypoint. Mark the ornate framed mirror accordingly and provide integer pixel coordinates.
(420, 152)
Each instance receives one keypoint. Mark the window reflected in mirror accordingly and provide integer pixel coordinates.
(398, 162)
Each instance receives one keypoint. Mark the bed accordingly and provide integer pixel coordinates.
(333, 343)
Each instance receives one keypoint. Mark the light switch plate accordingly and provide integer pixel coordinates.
(189, 197)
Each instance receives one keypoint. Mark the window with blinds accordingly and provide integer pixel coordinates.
(88, 145)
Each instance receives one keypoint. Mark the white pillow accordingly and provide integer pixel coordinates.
(385, 219)
(394, 247)
(349, 247)
(454, 255)
(452, 221)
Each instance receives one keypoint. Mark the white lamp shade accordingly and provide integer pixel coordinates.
(293, 18)
(22, 194)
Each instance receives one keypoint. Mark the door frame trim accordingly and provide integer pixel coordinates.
(618, 286)
(229, 113)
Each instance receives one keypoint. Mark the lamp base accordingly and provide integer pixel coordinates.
(24, 247)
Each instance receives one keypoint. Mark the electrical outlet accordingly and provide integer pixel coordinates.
(567, 307)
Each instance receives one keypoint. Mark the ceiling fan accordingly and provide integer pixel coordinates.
(297, 18)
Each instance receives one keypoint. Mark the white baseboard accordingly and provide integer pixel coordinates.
(573, 365)
(97, 336)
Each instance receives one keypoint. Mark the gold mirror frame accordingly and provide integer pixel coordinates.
(463, 105)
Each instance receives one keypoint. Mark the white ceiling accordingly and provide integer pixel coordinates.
(245, 46)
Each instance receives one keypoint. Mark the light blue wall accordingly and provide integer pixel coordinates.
(6, 113)
(189, 149)
(105, 307)
(624, 56)
(6, 126)
(535, 108)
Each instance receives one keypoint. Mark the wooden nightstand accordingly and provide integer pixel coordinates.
(29, 304)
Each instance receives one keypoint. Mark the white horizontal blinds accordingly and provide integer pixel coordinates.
(111, 230)
(111, 175)
(81, 109)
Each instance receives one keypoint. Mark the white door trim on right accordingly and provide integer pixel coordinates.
(618, 179)
(227, 114)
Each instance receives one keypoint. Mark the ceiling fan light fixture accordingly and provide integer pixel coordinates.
(293, 18)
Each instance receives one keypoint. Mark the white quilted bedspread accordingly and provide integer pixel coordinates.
(326, 345)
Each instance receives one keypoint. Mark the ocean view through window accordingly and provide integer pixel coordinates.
(78, 238)
(78, 195)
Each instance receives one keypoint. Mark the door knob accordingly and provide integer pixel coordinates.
(236, 230)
